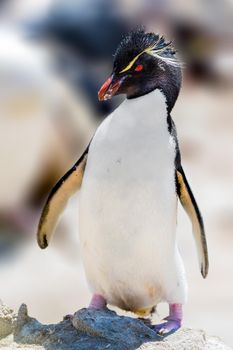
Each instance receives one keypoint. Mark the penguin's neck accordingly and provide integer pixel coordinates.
(145, 113)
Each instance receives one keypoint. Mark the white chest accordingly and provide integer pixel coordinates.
(128, 200)
(132, 152)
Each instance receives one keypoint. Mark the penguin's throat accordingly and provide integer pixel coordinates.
(148, 111)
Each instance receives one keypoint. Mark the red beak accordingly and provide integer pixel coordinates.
(109, 89)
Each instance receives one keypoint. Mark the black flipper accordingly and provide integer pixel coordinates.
(189, 204)
(58, 198)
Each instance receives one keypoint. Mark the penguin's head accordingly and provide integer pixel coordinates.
(143, 62)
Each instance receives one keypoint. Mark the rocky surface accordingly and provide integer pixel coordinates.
(7, 319)
(95, 330)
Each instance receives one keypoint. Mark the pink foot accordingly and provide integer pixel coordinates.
(97, 302)
(173, 321)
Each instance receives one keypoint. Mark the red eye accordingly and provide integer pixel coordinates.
(139, 68)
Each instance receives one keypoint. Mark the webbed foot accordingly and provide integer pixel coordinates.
(173, 321)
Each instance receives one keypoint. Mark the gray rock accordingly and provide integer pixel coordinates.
(99, 330)
(7, 319)
(113, 331)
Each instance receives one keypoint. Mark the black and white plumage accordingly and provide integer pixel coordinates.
(159, 63)
(132, 178)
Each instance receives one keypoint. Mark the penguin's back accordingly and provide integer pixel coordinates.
(128, 207)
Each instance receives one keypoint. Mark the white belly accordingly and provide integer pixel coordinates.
(128, 208)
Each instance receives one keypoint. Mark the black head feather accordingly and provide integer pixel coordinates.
(136, 42)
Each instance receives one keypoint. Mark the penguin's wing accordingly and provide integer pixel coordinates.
(189, 204)
(58, 198)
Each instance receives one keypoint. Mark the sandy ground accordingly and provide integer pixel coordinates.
(52, 282)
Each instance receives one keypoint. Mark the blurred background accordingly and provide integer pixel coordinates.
(54, 56)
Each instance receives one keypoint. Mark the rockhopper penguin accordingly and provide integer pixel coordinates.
(129, 178)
